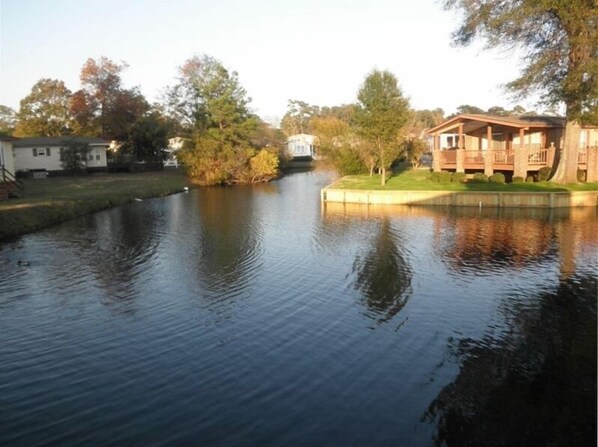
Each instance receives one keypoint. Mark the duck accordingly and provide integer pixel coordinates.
(24, 263)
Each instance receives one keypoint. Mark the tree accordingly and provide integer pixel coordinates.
(297, 118)
(148, 136)
(103, 107)
(215, 107)
(73, 156)
(381, 115)
(45, 111)
(8, 120)
(470, 110)
(560, 41)
(498, 111)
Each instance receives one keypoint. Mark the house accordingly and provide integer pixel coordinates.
(45, 155)
(302, 146)
(9, 185)
(517, 146)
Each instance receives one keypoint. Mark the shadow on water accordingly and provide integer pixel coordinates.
(382, 274)
(535, 386)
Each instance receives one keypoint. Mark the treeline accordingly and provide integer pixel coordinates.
(380, 128)
(224, 141)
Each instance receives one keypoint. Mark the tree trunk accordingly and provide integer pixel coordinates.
(566, 171)
(383, 176)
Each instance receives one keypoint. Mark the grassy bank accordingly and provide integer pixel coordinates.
(52, 200)
(418, 180)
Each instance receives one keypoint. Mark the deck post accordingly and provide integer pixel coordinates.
(436, 154)
(592, 164)
(460, 160)
(521, 157)
(489, 158)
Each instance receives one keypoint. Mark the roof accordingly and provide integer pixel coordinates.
(521, 122)
(59, 141)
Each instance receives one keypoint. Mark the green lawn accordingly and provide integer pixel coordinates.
(417, 180)
(56, 199)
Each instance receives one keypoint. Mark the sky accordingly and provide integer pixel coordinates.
(317, 51)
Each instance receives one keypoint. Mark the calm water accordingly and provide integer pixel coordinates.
(255, 316)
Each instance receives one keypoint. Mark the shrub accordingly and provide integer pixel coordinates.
(480, 177)
(499, 177)
(544, 173)
(440, 177)
(529, 179)
(458, 177)
(581, 175)
(518, 180)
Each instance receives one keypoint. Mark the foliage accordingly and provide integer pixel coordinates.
(544, 173)
(8, 120)
(264, 166)
(381, 115)
(581, 175)
(466, 109)
(45, 111)
(440, 177)
(297, 118)
(414, 148)
(530, 179)
(147, 136)
(73, 156)
(214, 108)
(497, 177)
(458, 177)
(103, 107)
(518, 179)
(560, 61)
(480, 177)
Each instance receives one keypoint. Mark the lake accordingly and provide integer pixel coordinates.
(256, 316)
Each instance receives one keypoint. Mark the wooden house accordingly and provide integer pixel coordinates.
(515, 145)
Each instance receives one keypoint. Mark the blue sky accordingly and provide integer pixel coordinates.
(317, 51)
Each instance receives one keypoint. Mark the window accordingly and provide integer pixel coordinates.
(90, 157)
(34, 151)
(98, 157)
(48, 153)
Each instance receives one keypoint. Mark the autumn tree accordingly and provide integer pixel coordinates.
(8, 120)
(44, 112)
(215, 108)
(103, 107)
(381, 116)
(560, 44)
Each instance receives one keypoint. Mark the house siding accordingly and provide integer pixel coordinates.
(6, 156)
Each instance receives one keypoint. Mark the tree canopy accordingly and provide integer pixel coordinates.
(382, 113)
(45, 111)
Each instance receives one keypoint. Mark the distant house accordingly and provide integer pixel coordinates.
(46, 154)
(515, 145)
(302, 146)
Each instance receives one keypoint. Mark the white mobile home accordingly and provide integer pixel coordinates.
(302, 146)
(46, 153)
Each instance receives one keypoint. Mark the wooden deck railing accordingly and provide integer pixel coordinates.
(537, 156)
(473, 157)
(448, 157)
(503, 157)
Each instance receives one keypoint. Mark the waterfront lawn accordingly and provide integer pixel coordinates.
(417, 180)
(56, 199)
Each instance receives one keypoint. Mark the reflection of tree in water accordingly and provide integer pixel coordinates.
(533, 387)
(383, 275)
(230, 242)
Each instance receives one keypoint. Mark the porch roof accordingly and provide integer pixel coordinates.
(473, 122)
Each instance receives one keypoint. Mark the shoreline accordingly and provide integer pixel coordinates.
(44, 209)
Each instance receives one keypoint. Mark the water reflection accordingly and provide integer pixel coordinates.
(382, 273)
(229, 242)
(534, 386)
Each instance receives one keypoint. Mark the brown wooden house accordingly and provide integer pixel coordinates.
(515, 145)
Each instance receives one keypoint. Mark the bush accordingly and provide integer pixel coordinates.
(480, 177)
(581, 175)
(458, 177)
(440, 177)
(529, 179)
(518, 180)
(544, 173)
(499, 177)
